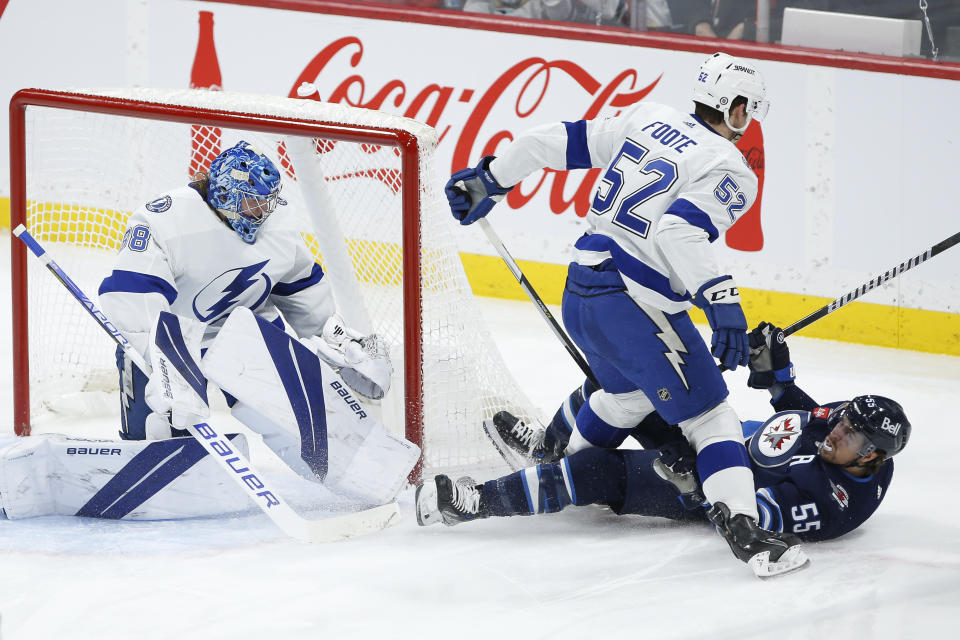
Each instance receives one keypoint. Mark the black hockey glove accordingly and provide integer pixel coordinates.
(679, 456)
(769, 358)
(677, 465)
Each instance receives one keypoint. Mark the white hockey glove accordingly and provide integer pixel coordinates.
(362, 361)
(167, 392)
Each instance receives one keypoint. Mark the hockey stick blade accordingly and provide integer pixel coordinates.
(238, 467)
(352, 525)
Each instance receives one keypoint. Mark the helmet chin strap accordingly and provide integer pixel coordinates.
(737, 133)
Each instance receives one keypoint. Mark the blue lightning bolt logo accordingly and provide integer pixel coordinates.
(244, 279)
(675, 347)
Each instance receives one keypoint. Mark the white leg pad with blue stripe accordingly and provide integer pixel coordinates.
(316, 424)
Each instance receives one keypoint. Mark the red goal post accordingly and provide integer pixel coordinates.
(55, 134)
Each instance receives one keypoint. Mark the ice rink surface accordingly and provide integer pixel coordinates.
(581, 573)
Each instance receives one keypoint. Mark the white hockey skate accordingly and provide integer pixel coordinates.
(442, 500)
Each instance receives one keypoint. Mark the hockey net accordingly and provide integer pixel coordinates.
(365, 197)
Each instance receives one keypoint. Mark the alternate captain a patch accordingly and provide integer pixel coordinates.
(776, 440)
(160, 204)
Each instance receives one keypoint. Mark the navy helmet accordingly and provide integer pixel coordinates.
(880, 420)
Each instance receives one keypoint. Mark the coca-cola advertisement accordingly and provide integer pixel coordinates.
(825, 172)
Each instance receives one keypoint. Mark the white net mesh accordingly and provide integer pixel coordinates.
(86, 171)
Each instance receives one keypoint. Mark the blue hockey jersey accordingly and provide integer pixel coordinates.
(797, 491)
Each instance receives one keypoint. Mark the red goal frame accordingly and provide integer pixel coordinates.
(404, 141)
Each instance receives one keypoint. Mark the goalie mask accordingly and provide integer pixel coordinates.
(245, 188)
(723, 78)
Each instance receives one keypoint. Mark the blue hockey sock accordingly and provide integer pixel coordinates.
(592, 476)
(558, 431)
(597, 431)
(540, 489)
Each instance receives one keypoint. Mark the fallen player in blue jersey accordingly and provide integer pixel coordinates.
(819, 471)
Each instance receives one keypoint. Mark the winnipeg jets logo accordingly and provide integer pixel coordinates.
(675, 347)
(839, 494)
(243, 286)
(779, 435)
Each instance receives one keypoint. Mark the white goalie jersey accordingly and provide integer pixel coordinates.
(672, 186)
(178, 256)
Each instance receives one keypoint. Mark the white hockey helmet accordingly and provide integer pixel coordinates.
(722, 78)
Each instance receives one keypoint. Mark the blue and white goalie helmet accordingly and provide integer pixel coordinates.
(244, 185)
(722, 78)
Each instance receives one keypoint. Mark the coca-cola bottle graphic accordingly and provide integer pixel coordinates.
(747, 233)
(205, 74)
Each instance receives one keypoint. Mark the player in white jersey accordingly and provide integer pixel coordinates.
(202, 250)
(218, 245)
(673, 183)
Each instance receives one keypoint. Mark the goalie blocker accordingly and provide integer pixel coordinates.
(316, 424)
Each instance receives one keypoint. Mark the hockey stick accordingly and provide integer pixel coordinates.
(217, 445)
(890, 274)
(532, 294)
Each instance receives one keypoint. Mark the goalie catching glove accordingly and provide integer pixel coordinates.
(362, 361)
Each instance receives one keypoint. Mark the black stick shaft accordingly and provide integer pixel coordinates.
(532, 294)
(890, 274)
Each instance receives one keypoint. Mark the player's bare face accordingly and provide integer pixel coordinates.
(842, 445)
(258, 208)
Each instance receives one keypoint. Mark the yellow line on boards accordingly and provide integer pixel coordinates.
(859, 322)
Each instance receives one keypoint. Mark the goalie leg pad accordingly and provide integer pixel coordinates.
(136, 480)
(137, 420)
(310, 406)
(378, 470)
(134, 410)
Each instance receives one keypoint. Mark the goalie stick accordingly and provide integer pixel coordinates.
(537, 301)
(217, 446)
